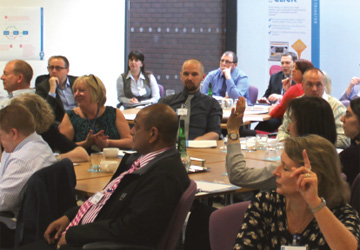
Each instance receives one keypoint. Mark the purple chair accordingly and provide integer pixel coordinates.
(355, 194)
(225, 224)
(171, 233)
(161, 89)
(253, 94)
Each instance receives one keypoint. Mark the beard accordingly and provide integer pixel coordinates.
(190, 86)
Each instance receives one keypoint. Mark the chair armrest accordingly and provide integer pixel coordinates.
(8, 219)
(103, 245)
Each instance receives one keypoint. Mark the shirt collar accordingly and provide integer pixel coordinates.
(325, 96)
(196, 94)
(129, 75)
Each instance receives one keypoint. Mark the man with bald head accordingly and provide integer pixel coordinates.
(313, 85)
(137, 204)
(16, 79)
(203, 112)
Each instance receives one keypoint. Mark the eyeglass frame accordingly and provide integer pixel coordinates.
(57, 68)
(225, 61)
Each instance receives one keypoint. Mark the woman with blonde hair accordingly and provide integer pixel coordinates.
(93, 125)
(44, 123)
(309, 207)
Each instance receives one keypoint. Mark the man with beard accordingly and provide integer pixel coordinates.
(202, 112)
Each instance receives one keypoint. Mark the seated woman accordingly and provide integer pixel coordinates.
(350, 157)
(352, 91)
(93, 125)
(309, 115)
(136, 85)
(309, 206)
(277, 111)
(44, 122)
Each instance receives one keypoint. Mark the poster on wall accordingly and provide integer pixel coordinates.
(21, 33)
(293, 26)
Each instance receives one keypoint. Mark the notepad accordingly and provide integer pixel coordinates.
(201, 144)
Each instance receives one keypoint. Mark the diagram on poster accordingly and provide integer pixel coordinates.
(21, 34)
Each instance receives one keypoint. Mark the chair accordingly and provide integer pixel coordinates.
(161, 89)
(274, 69)
(41, 78)
(172, 232)
(355, 194)
(225, 224)
(47, 195)
(253, 94)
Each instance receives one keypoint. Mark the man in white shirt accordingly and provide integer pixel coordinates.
(313, 85)
(16, 79)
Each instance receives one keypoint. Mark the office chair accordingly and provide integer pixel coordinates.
(47, 195)
(161, 89)
(171, 234)
(253, 94)
(225, 224)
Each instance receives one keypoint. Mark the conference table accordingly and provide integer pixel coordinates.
(213, 181)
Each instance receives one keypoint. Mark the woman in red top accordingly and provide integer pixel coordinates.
(301, 65)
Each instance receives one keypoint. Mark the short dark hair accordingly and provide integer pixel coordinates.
(313, 115)
(22, 67)
(235, 58)
(304, 65)
(292, 54)
(66, 61)
(19, 117)
(164, 119)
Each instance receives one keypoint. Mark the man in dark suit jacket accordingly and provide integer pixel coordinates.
(140, 207)
(57, 89)
(276, 87)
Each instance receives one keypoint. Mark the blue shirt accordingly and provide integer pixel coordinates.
(237, 86)
(355, 93)
(66, 95)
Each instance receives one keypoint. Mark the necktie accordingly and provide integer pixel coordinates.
(187, 117)
(111, 186)
(223, 87)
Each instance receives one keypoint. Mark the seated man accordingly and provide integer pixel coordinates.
(278, 83)
(353, 90)
(205, 113)
(227, 79)
(16, 79)
(57, 89)
(313, 85)
(25, 152)
(137, 204)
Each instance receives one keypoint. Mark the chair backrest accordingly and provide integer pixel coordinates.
(225, 224)
(172, 232)
(41, 78)
(48, 194)
(253, 94)
(161, 89)
(274, 69)
(355, 194)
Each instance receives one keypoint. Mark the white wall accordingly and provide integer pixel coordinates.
(339, 41)
(90, 33)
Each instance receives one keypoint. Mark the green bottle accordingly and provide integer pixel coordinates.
(182, 146)
(210, 90)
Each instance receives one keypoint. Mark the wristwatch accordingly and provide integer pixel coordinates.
(318, 208)
(233, 136)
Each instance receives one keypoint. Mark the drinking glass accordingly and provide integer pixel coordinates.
(250, 144)
(95, 159)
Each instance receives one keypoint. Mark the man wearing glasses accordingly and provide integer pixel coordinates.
(228, 79)
(57, 89)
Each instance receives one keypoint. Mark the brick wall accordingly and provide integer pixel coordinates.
(169, 32)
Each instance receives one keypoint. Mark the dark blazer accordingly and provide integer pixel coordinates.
(140, 208)
(42, 89)
(275, 84)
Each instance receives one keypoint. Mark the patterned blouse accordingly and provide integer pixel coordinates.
(106, 122)
(265, 225)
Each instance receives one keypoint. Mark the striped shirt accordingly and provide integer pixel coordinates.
(30, 155)
(90, 209)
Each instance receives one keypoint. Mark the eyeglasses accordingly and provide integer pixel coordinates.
(226, 62)
(58, 68)
(91, 75)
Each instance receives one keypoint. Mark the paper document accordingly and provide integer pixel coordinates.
(201, 144)
(209, 187)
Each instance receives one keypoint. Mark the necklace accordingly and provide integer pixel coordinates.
(92, 124)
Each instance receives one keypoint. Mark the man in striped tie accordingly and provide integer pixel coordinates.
(138, 202)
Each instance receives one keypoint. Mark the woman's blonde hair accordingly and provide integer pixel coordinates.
(325, 162)
(39, 108)
(96, 87)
